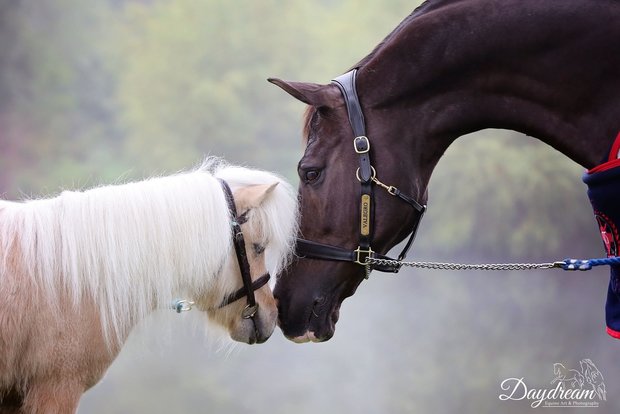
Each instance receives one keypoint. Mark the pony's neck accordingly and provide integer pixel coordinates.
(547, 69)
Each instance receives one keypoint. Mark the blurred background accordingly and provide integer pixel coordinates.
(106, 91)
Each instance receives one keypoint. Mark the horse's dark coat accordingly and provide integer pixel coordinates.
(547, 68)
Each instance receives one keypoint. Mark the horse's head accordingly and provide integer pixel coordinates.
(559, 370)
(266, 215)
(310, 292)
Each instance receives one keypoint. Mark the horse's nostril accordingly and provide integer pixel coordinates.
(317, 305)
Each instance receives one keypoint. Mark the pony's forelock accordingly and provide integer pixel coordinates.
(276, 216)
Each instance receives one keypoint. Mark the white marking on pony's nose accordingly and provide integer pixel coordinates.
(307, 337)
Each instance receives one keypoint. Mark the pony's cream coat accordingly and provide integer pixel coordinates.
(79, 270)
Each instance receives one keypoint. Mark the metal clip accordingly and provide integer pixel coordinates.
(249, 311)
(389, 188)
(182, 305)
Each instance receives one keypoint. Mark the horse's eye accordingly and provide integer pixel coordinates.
(311, 175)
(258, 248)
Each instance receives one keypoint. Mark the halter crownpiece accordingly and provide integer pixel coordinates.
(367, 176)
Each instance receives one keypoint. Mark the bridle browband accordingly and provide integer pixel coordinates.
(242, 258)
(366, 175)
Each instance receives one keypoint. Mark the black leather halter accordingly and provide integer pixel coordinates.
(242, 258)
(366, 175)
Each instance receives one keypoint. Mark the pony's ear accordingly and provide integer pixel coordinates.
(253, 196)
(311, 93)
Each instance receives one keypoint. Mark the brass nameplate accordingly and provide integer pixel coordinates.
(365, 214)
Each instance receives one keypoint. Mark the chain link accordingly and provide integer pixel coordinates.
(460, 266)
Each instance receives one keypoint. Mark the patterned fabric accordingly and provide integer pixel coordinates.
(603, 184)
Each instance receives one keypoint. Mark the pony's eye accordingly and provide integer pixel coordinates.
(258, 248)
(311, 175)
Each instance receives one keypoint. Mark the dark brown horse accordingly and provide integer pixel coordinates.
(549, 69)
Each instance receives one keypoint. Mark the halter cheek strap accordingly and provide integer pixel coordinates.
(183, 305)
(242, 259)
(366, 175)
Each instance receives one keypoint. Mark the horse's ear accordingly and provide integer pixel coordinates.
(311, 93)
(253, 196)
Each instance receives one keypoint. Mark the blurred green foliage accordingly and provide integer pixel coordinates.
(498, 194)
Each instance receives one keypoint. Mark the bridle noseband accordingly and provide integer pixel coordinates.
(366, 175)
(242, 258)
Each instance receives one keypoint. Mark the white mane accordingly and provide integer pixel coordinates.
(135, 246)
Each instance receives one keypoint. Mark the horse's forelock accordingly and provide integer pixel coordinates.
(307, 123)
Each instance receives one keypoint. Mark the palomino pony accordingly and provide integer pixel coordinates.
(547, 68)
(78, 271)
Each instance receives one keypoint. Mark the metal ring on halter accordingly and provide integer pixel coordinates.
(389, 188)
(182, 305)
(249, 311)
(373, 177)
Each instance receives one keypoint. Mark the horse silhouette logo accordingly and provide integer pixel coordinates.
(594, 378)
(589, 378)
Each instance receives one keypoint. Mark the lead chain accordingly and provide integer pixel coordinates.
(460, 266)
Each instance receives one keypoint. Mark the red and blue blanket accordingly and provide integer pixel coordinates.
(603, 184)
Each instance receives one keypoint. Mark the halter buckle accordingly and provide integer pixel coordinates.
(249, 311)
(362, 255)
(361, 144)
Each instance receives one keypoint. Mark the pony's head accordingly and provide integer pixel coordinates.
(267, 214)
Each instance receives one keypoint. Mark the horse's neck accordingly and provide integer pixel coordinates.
(547, 69)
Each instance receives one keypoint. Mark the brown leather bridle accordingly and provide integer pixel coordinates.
(242, 259)
(366, 175)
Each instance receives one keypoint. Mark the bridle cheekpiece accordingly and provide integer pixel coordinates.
(242, 259)
(367, 176)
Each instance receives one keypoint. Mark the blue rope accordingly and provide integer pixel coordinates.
(577, 264)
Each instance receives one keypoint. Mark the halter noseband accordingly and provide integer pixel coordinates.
(242, 258)
(366, 175)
